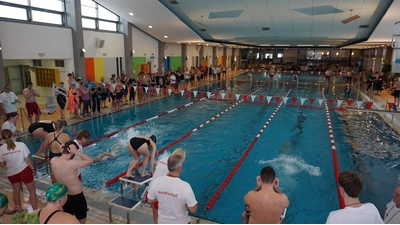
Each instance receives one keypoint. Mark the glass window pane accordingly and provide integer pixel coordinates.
(13, 12)
(20, 2)
(107, 15)
(45, 17)
(88, 23)
(88, 3)
(107, 26)
(56, 5)
(89, 11)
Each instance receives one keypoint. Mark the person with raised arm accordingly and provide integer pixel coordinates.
(65, 170)
(265, 202)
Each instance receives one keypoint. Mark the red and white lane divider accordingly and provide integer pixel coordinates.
(116, 178)
(241, 160)
(139, 123)
(334, 155)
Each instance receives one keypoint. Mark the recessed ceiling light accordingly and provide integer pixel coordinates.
(198, 44)
(165, 36)
(190, 43)
(150, 26)
(304, 45)
(131, 14)
(206, 44)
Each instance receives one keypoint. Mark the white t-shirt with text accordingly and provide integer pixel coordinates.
(174, 196)
(14, 159)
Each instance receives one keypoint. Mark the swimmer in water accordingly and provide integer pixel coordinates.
(107, 155)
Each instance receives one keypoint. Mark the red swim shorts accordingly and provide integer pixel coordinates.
(24, 176)
(32, 108)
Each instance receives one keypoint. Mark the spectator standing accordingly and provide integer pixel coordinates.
(174, 195)
(15, 155)
(30, 95)
(350, 185)
(392, 213)
(8, 101)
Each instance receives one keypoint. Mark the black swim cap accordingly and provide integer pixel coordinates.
(153, 138)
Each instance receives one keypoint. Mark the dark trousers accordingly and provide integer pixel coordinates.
(96, 104)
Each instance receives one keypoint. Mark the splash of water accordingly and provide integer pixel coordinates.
(291, 165)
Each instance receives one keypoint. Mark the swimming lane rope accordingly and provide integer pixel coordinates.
(334, 155)
(116, 178)
(147, 120)
(241, 160)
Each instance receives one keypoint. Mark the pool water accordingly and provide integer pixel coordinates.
(295, 143)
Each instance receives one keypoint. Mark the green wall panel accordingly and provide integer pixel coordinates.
(136, 61)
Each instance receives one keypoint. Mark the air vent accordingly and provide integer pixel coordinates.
(203, 30)
(265, 28)
(363, 26)
(173, 2)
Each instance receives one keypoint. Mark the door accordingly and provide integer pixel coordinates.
(16, 79)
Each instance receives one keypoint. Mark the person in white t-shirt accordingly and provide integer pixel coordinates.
(162, 170)
(392, 213)
(174, 195)
(350, 185)
(173, 81)
(9, 124)
(15, 155)
(8, 101)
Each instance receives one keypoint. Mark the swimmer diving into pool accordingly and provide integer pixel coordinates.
(140, 145)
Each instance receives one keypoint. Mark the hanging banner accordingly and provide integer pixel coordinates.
(302, 100)
(182, 92)
(294, 100)
(216, 94)
(237, 96)
(195, 93)
(261, 97)
(208, 94)
(339, 102)
(222, 95)
(158, 91)
(359, 103)
(285, 99)
(320, 101)
(369, 104)
(252, 97)
(269, 99)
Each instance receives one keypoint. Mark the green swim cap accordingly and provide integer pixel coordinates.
(56, 191)
(3, 200)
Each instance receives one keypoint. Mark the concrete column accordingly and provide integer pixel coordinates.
(201, 56)
(225, 59)
(2, 74)
(214, 56)
(184, 55)
(73, 10)
(161, 56)
(126, 28)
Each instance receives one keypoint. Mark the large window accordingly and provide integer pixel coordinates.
(95, 16)
(40, 11)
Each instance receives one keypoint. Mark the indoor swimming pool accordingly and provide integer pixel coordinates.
(295, 142)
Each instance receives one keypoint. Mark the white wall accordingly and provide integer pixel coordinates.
(113, 44)
(173, 50)
(25, 41)
(145, 45)
(209, 53)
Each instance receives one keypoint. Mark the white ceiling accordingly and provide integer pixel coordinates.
(290, 22)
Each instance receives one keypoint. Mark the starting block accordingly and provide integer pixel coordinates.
(123, 202)
(136, 182)
(42, 167)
